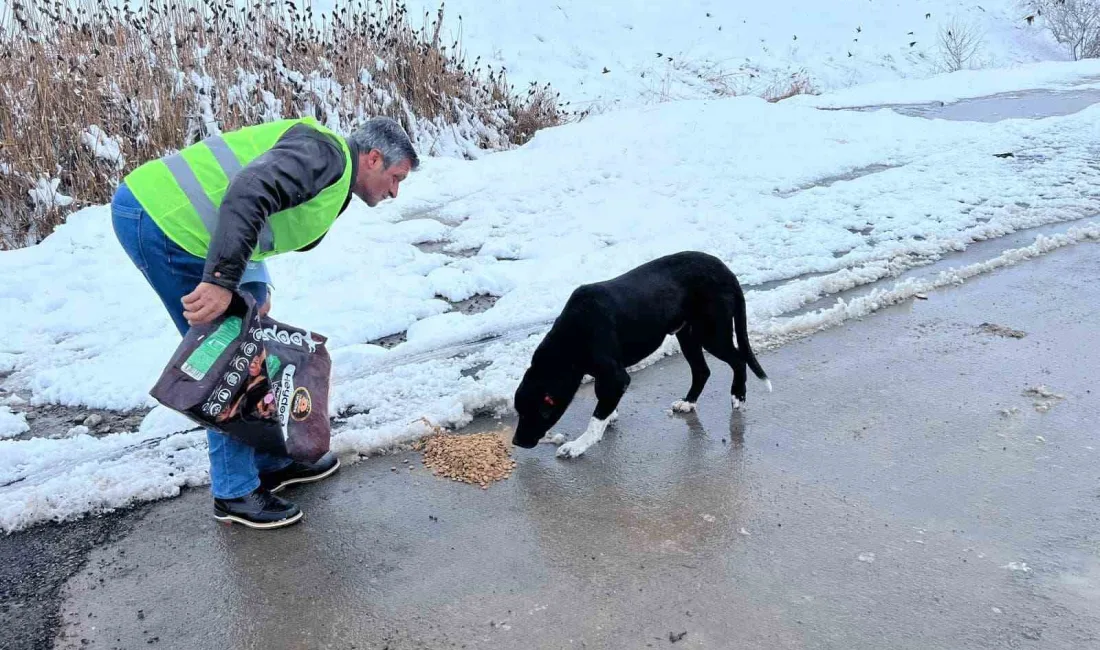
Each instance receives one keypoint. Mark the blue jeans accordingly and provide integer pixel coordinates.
(173, 273)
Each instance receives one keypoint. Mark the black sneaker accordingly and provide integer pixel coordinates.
(260, 509)
(297, 472)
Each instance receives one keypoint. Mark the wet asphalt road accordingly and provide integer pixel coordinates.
(879, 498)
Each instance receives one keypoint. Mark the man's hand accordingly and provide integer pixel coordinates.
(205, 303)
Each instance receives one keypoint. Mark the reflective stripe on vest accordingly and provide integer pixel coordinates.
(190, 185)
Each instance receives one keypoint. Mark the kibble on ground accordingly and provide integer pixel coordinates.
(477, 459)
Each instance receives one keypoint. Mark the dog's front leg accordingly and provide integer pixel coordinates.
(610, 386)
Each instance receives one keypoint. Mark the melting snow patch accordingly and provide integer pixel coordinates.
(11, 424)
(1017, 566)
(867, 557)
(79, 430)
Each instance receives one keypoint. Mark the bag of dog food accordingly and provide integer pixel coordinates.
(254, 379)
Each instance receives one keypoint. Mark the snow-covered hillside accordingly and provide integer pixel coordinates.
(660, 49)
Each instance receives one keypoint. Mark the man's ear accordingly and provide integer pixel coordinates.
(374, 160)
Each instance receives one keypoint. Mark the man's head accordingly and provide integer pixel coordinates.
(386, 157)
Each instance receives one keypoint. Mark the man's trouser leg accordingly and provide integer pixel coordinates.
(173, 273)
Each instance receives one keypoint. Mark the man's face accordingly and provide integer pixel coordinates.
(375, 182)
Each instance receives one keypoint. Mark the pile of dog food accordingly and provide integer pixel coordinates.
(477, 459)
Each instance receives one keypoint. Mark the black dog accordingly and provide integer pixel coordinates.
(606, 327)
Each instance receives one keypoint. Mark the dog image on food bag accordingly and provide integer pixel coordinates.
(607, 327)
(256, 391)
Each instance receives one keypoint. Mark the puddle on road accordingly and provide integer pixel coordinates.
(1029, 104)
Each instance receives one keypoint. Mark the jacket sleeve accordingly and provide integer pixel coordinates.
(301, 164)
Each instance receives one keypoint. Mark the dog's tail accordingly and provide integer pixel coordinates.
(741, 329)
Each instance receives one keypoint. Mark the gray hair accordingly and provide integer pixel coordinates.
(387, 136)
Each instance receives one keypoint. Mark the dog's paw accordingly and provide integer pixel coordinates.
(571, 449)
(680, 406)
(555, 439)
(738, 403)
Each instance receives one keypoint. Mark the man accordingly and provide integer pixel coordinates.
(200, 223)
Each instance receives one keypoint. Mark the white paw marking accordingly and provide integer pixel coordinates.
(768, 383)
(555, 439)
(571, 449)
(680, 406)
(591, 435)
(737, 404)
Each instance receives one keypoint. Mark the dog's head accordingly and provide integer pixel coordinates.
(541, 400)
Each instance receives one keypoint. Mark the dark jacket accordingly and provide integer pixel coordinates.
(302, 163)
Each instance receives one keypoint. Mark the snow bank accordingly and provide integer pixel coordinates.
(777, 331)
(964, 84)
(59, 479)
(826, 200)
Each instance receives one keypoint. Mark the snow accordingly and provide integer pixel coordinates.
(53, 480)
(46, 196)
(782, 330)
(11, 424)
(102, 146)
(727, 46)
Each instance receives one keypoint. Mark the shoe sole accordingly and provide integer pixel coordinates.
(233, 519)
(309, 479)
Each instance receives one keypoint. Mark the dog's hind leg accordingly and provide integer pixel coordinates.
(611, 383)
(692, 349)
(719, 341)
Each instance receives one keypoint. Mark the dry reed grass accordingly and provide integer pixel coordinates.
(163, 77)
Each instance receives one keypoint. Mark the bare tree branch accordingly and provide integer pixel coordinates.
(1073, 23)
(958, 44)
